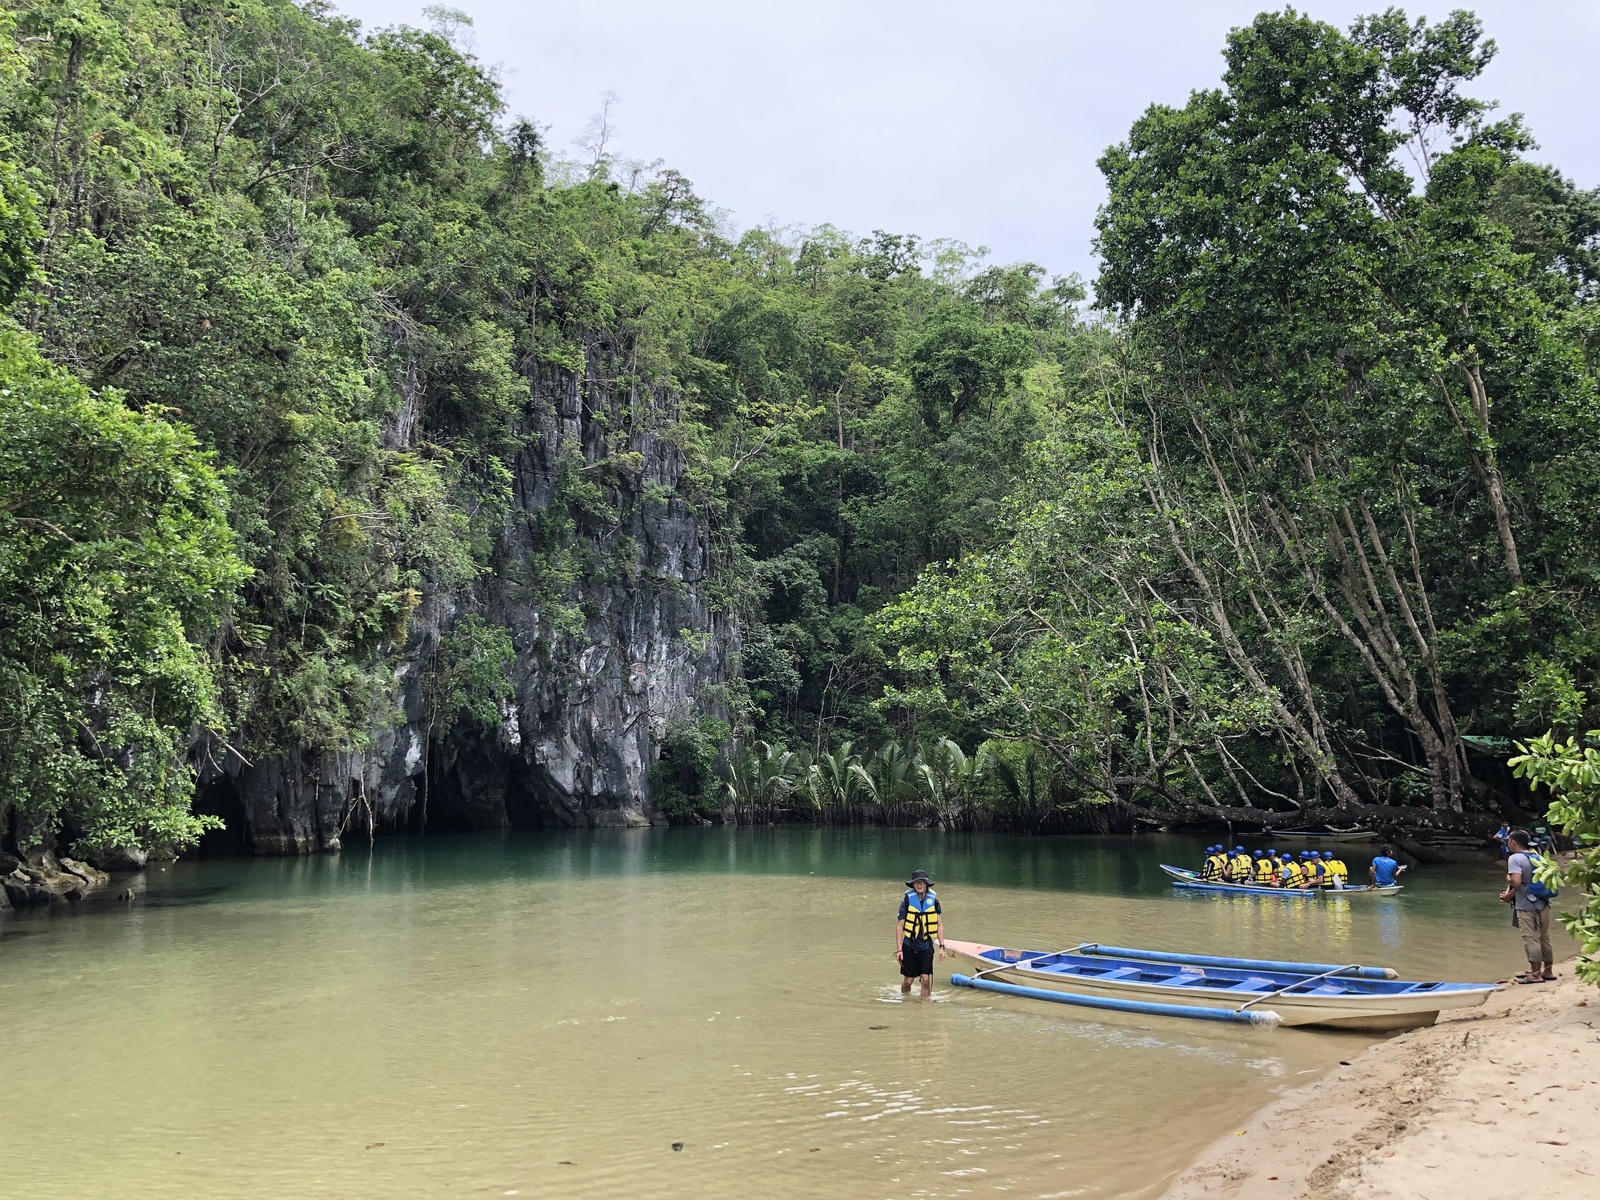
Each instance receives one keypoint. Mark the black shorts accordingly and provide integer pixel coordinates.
(916, 958)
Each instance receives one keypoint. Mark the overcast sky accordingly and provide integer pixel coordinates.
(979, 121)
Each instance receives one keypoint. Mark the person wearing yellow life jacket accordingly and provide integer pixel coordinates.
(1338, 875)
(1277, 866)
(1265, 872)
(1311, 864)
(1211, 870)
(916, 930)
(1238, 868)
(1292, 874)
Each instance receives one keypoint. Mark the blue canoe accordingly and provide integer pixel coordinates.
(1189, 879)
(1338, 997)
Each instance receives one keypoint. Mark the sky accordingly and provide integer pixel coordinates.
(975, 121)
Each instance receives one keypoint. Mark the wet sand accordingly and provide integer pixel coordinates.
(1504, 1099)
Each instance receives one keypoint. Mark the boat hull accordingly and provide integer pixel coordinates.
(1190, 880)
(1343, 1003)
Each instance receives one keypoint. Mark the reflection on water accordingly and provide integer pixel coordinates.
(549, 1014)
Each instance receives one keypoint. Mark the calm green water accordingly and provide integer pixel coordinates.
(545, 1015)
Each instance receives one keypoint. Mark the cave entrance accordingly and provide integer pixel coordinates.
(219, 797)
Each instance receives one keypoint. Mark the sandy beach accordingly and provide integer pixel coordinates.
(1501, 1099)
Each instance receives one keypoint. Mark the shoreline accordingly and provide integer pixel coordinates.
(1451, 1110)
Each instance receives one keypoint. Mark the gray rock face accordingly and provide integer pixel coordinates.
(119, 859)
(575, 745)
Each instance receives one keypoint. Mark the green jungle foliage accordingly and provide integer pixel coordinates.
(1306, 505)
(1328, 510)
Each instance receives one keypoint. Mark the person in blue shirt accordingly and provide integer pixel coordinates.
(1500, 836)
(1385, 871)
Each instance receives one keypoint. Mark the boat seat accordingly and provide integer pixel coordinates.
(1326, 989)
(1121, 973)
(1254, 984)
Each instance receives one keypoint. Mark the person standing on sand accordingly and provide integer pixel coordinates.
(915, 931)
(1531, 913)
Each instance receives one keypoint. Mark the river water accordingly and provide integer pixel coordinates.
(548, 1014)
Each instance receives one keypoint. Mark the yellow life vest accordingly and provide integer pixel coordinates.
(1264, 871)
(1212, 868)
(1293, 873)
(922, 917)
(1242, 864)
(1340, 871)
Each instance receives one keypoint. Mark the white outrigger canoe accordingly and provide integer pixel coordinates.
(1351, 997)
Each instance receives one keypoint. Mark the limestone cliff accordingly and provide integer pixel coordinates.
(577, 741)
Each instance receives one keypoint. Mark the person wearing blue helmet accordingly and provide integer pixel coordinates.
(1238, 866)
(1211, 869)
(1264, 871)
(1291, 874)
(1313, 868)
(1277, 866)
(1338, 874)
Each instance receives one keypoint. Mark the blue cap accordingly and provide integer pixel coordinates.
(1272, 850)
(1327, 854)
(1258, 854)
(1305, 854)
(1238, 849)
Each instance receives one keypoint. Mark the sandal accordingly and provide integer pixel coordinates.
(1530, 979)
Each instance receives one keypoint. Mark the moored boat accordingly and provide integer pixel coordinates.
(1185, 878)
(1338, 998)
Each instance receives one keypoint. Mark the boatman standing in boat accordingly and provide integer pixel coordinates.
(915, 932)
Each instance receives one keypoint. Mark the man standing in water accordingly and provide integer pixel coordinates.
(915, 932)
(1531, 909)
